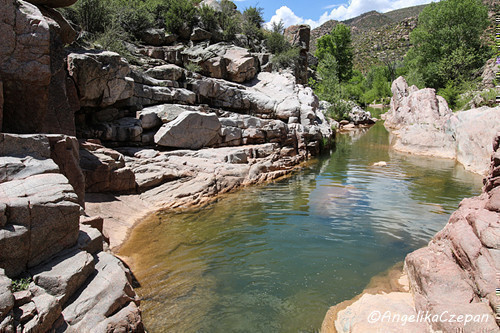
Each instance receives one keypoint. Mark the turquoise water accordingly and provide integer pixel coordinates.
(274, 258)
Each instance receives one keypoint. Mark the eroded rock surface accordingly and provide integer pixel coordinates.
(422, 123)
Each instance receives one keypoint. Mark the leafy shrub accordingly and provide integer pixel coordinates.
(21, 284)
(193, 67)
(91, 15)
(132, 16)
(252, 22)
(229, 20)
(178, 14)
(209, 18)
(450, 94)
(287, 59)
(275, 40)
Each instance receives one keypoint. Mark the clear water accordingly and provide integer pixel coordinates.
(274, 258)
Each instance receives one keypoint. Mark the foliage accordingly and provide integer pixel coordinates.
(337, 44)
(209, 18)
(180, 14)
(113, 40)
(92, 15)
(193, 67)
(450, 94)
(286, 59)
(275, 40)
(446, 42)
(21, 284)
(252, 22)
(229, 21)
(133, 17)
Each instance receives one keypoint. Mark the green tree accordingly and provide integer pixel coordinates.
(252, 22)
(338, 44)
(446, 43)
(275, 41)
(229, 20)
(180, 13)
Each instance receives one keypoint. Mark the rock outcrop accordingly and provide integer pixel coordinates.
(299, 36)
(101, 77)
(422, 123)
(190, 130)
(149, 137)
(458, 268)
(41, 238)
(32, 67)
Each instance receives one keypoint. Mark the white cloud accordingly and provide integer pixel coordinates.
(289, 18)
(343, 12)
(331, 6)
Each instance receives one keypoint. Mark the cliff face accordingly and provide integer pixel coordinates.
(165, 136)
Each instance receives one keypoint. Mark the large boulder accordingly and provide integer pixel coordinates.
(222, 61)
(422, 123)
(106, 294)
(412, 106)
(166, 72)
(35, 67)
(105, 170)
(64, 275)
(64, 151)
(40, 210)
(155, 37)
(42, 220)
(6, 297)
(190, 130)
(101, 77)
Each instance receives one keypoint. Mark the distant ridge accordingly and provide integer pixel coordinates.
(378, 38)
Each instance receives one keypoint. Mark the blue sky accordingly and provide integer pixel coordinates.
(318, 12)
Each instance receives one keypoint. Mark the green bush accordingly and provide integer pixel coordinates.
(91, 15)
(229, 20)
(113, 40)
(447, 43)
(275, 40)
(338, 44)
(339, 110)
(178, 14)
(450, 94)
(21, 284)
(193, 67)
(252, 22)
(209, 18)
(287, 59)
(132, 16)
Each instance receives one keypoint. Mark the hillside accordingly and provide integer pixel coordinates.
(377, 37)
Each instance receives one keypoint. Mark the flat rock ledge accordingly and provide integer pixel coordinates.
(185, 178)
(451, 282)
